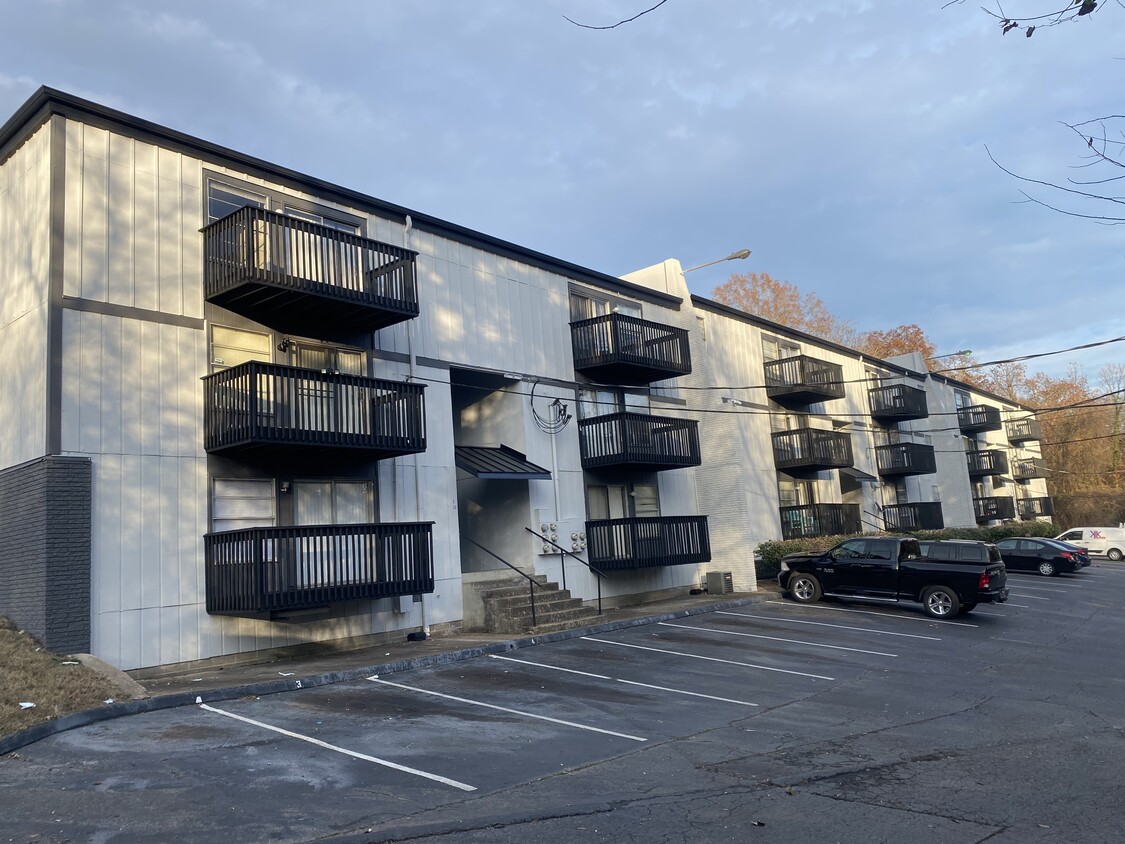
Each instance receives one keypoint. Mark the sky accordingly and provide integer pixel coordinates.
(844, 143)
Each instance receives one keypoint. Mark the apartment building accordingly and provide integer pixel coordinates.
(248, 409)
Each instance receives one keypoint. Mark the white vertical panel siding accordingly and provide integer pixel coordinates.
(133, 214)
(25, 190)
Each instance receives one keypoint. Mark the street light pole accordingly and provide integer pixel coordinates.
(740, 255)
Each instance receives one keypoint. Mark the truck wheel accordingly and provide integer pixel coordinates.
(1114, 554)
(1046, 568)
(940, 602)
(967, 608)
(804, 588)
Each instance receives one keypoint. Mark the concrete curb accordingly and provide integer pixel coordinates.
(289, 684)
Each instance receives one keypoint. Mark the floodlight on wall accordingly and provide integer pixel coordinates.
(740, 255)
(735, 402)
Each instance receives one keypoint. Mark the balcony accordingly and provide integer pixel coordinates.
(901, 459)
(638, 441)
(924, 515)
(1024, 430)
(261, 408)
(819, 520)
(646, 542)
(801, 380)
(987, 461)
(1029, 468)
(994, 508)
(897, 403)
(303, 278)
(622, 349)
(978, 419)
(809, 450)
(1033, 508)
(267, 572)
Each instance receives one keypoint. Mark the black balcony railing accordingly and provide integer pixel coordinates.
(978, 418)
(994, 507)
(897, 403)
(267, 407)
(804, 450)
(647, 542)
(639, 441)
(819, 520)
(1024, 430)
(304, 278)
(1033, 508)
(621, 349)
(923, 515)
(803, 380)
(1028, 468)
(988, 461)
(899, 459)
(268, 571)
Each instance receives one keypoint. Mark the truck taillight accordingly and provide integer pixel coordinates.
(983, 582)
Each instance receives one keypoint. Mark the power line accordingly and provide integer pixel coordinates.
(1032, 356)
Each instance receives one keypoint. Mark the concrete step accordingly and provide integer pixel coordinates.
(518, 588)
(587, 620)
(575, 616)
(514, 603)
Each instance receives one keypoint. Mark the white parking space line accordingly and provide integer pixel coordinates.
(344, 750)
(1021, 606)
(1031, 597)
(709, 658)
(826, 624)
(506, 709)
(1021, 584)
(626, 682)
(774, 639)
(993, 614)
(926, 619)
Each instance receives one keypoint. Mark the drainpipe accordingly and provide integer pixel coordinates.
(417, 458)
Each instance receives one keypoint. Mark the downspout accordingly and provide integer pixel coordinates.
(417, 458)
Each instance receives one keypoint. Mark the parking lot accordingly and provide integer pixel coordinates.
(770, 722)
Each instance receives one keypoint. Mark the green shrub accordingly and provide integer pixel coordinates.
(767, 558)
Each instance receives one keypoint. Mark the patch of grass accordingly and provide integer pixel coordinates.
(31, 673)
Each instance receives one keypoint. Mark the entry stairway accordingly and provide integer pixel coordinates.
(507, 607)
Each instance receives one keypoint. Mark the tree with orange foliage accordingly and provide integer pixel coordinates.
(782, 302)
(897, 341)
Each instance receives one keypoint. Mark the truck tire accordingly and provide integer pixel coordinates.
(1114, 554)
(1046, 568)
(940, 602)
(804, 588)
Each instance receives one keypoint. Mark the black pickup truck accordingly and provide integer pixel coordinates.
(892, 569)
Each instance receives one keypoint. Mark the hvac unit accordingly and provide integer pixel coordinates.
(719, 582)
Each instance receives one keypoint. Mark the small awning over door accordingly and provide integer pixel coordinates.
(498, 462)
(858, 475)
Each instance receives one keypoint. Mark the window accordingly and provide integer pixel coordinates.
(328, 358)
(338, 225)
(232, 346)
(794, 493)
(333, 502)
(612, 501)
(238, 504)
(585, 305)
(962, 399)
(223, 199)
(774, 348)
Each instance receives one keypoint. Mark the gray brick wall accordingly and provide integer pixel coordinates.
(45, 550)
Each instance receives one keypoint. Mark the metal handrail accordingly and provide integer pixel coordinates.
(531, 580)
(598, 572)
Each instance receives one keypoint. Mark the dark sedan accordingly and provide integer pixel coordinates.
(1034, 554)
(1082, 554)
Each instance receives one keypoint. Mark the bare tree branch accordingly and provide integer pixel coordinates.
(619, 23)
